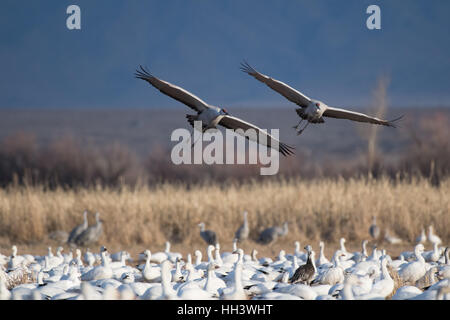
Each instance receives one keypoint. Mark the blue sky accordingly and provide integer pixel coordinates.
(322, 48)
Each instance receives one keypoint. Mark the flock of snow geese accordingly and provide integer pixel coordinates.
(235, 275)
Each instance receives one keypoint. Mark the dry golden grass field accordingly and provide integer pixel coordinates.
(140, 218)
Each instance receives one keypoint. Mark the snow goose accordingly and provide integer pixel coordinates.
(140, 288)
(151, 273)
(122, 262)
(172, 256)
(413, 271)
(391, 238)
(444, 270)
(361, 256)
(204, 265)
(372, 262)
(305, 273)
(259, 288)
(77, 260)
(428, 279)
(177, 275)
(233, 251)
(209, 236)
(281, 261)
(236, 292)
(159, 257)
(58, 258)
(302, 291)
(194, 293)
(127, 277)
(437, 291)
(217, 257)
(397, 263)
(433, 255)
(406, 292)
(298, 252)
(385, 285)
(243, 231)
(335, 274)
(346, 293)
(117, 256)
(78, 230)
(231, 257)
(193, 271)
(168, 293)
(103, 271)
(432, 237)
(24, 291)
(345, 254)
(89, 258)
(5, 294)
(192, 281)
(422, 238)
(15, 261)
(322, 259)
(211, 287)
(89, 292)
(3, 259)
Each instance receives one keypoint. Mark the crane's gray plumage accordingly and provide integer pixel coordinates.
(78, 229)
(211, 116)
(305, 273)
(270, 235)
(173, 91)
(243, 231)
(310, 109)
(91, 234)
(208, 235)
(286, 91)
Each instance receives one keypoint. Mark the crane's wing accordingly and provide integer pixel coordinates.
(282, 88)
(357, 116)
(234, 123)
(173, 91)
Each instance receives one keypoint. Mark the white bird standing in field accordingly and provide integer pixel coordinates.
(311, 110)
(334, 274)
(392, 239)
(422, 238)
(432, 237)
(413, 271)
(103, 271)
(210, 115)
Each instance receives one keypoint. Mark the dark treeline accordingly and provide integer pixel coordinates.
(69, 163)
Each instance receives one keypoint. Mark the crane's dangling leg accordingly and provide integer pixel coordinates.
(296, 127)
(300, 131)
